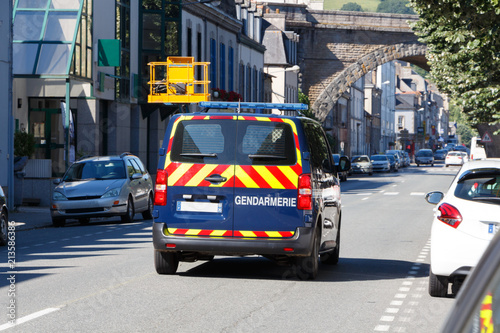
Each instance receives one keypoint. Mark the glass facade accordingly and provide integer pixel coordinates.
(159, 35)
(122, 83)
(44, 36)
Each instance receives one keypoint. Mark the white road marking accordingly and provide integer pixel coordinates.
(382, 328)
(391, 193)
(417, 193)
(405, 295)
(28, 318)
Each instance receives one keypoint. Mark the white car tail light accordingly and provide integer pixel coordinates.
(450, 215)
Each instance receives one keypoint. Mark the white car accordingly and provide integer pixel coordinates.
(456, 158)
(466, 219)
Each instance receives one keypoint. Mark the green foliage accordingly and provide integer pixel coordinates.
(420, 71)
(464, 130)
(303, 98)
(395, 7)
(352, 6)
(24, 144)
(463, 43)
(367, 5)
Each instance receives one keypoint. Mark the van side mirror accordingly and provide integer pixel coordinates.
(344, 164)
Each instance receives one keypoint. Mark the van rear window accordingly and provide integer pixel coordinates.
(220, 142)
(266, 143)
(202, 142)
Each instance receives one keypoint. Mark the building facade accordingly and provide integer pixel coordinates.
(80, 73)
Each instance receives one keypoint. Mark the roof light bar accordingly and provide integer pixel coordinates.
(250, 105)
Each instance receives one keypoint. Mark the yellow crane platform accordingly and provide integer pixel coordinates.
(174, 81)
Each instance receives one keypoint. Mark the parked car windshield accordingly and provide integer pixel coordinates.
(99, 170)
(425, 153)
(360, 159)
(379, 158)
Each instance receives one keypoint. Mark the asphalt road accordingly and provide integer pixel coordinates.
(101, 277)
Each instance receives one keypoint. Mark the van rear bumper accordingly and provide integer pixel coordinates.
(300, 243)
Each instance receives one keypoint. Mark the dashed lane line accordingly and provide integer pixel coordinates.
(402, 307)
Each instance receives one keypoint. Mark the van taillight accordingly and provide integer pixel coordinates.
(161, 188)
(449, 215)
(304, 197)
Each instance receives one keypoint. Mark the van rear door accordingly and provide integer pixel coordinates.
(268, 165)
(200, 168)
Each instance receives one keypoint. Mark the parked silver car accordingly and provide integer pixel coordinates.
(424, 156)
(380, 163)
(361, 164)
(103, 186)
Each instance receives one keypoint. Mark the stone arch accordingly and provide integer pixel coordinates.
(412, 52)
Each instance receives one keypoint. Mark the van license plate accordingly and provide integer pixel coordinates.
(202, 207)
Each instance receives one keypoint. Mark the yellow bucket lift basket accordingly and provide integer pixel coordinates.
(174, 81)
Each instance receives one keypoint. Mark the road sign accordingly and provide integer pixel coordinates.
(486, 137)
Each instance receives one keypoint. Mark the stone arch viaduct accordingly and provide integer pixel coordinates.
(337, 48)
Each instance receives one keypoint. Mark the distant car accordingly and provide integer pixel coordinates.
(4, 218)
(407, 159)
(440, 154)
(477, 307)
(461, 148)
(394, 162)
(424, 156)
(103, 186)
(342, 175)
(400, 156)
(465, 220)
(455, 158)
(380, 163)
(361, 164)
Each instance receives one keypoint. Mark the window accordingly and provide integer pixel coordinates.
(480, 185)
(230, 70)
(159, 35)
(266, 143)
(43, 36)
(213, 63)
(202, 142)
(189, 42)
(122, 83)
(249, 83)
(241, 85)
(401, 122)
(222, 70)
(82, 56)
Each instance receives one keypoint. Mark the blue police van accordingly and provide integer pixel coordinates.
(246, 184)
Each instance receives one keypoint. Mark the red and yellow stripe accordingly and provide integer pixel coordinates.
(229, 233)
(485, 315)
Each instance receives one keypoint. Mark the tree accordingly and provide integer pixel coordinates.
(352, 7)
(463, 43)
(395, 7)
(304, 99)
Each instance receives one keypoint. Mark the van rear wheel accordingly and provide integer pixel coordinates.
(332, 257)
(307, 267)
(166, 262)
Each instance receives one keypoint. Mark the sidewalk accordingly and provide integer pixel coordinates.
(29, 217)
